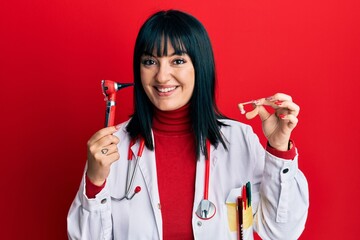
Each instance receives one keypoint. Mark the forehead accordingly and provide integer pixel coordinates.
(164, 46)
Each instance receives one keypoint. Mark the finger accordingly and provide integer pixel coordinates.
(111, 158)
(279, 97)
(107, 159)
(101, 133)
(274, 101)
(105, 155)
(265, 102)
(292, 107)
(263, 113)
(106, 141)
(291, 119)
(279, 100)
(109, 149)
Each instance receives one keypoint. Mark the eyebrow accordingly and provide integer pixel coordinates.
(173, 54)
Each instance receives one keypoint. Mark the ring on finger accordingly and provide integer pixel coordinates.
(104, 151)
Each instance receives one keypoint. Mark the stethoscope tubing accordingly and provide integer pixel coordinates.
(130, 177)
(133, 175)
(207, 171)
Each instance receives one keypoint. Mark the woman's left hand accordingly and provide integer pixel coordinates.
(278, 126)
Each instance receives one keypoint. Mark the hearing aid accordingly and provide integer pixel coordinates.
(256, 104)
(249, 115)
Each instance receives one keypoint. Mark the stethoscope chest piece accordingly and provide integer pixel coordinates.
(206, 209)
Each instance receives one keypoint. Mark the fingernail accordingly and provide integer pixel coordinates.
(278, 102)
(117, 127)
(271, 98)
(282, 116)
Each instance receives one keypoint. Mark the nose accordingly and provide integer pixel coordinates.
(164, 73)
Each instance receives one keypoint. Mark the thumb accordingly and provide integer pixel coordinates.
(263, 113)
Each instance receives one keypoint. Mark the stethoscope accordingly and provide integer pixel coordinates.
(206, 209)
(130, 179)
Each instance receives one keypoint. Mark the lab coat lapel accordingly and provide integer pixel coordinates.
(147, 165)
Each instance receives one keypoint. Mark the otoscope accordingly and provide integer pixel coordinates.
(109, 89)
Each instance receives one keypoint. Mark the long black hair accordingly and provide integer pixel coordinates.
(186, 34)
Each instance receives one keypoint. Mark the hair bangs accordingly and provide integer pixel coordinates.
(157, 41)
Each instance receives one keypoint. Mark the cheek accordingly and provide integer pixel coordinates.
(191, 81)
(191, 90)
(147, 75)
(146, 87)
(142, 76)
(145, 78)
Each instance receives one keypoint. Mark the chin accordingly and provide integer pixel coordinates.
(167, 107)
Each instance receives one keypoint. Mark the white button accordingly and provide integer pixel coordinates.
(199, 223)
(214, 160)
(103, 201)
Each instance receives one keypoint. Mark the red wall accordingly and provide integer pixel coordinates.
(53, 55)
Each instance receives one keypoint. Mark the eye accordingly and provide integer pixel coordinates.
(179, 61)
(148, 62)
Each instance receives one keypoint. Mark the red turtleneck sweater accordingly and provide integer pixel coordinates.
(176, 165)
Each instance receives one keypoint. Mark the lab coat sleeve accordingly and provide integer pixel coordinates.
(90, 218)
(283, 197)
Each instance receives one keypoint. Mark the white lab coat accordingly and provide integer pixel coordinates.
(279, 198)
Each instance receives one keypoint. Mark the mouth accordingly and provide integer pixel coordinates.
(165, 89)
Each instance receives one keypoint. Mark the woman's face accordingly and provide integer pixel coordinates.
(168, 80)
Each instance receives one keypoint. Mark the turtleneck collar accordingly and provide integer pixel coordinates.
(176, 122)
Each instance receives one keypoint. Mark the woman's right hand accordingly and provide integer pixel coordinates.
(102, 151)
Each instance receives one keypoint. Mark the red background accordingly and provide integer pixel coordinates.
(54, 53)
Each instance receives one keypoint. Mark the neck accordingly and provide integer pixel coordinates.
(174, 122)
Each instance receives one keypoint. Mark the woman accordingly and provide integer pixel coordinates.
(173, 193)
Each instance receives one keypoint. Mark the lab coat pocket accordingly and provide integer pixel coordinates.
(232, 213)
(233, 216)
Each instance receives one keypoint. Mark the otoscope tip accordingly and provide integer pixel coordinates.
(124, 85)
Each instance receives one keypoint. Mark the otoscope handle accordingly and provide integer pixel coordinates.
(110, 113)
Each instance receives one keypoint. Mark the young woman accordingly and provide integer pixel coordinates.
(196, 164)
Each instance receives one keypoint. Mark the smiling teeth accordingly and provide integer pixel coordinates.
(164, 90)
